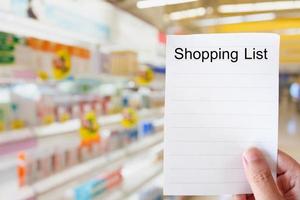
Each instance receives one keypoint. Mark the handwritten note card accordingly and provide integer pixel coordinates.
(221, 98)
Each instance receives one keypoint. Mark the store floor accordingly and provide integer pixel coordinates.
(289, 135)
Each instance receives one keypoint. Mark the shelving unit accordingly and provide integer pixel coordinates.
(33, 28)
(16, 140)
(157, 181)
(134, 183)
(47, 137)
(24, 138)
(63, 180)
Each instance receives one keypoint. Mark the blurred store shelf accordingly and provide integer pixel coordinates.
(16, 140)
(12, 141)
(133, 183)
(156, 182)
(148, 165)
(62, 179)
(33, 28)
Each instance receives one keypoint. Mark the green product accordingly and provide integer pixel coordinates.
(2, 34)
(8, 39)
(1, 115)
(7, 59)
(6, 47)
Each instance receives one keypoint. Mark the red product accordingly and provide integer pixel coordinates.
(113, 179)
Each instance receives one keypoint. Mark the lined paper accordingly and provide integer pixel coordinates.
(214, 111)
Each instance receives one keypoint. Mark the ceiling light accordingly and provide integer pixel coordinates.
(236, 19)
(259, 17)
(158, 3)
(260, 6)
(187, 13)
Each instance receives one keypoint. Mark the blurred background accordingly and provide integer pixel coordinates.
(82, 90)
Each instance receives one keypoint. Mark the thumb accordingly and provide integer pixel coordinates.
(259, 176)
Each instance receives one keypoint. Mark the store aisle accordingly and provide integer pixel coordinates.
(289, 129)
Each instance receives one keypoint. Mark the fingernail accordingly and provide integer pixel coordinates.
(252, 154)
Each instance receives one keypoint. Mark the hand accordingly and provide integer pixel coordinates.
(258, 173)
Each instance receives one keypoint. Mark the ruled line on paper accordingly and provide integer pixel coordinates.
(216, 138)
(223, 114)
(215, 100)
(204, 155)
(210, 168)
(215, 155)
(222, 127)
(223, 87)
(220, 141)
(225, 73)
(200, 183)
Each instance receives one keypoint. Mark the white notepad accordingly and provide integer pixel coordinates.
(221, 98)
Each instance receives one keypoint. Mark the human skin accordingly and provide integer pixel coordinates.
(264, 187)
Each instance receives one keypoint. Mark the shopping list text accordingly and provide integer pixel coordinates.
(220, 54)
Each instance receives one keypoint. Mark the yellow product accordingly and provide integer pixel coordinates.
(2, 126)
(61, 65)
(89, 131)
(4, 112)
(64, 117)
(48, 119)
(145, 76)
(43, 75)
(17, 124)
(130, 118)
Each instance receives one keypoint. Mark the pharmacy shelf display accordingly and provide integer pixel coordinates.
(41, 153)
(12, 141)
(68, 178)
(40, 163)
(140, 172)
(153, 190)
(40, 157)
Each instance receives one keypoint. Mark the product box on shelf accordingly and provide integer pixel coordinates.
(4, 115)
(115, 140)
(145, 128)
(58, 160)
(7, 48)
(123, 62)
(96, 187)
(24, 55)
(46, 110)
(36, 58)
(152, 193)
(131, 134)
(45, 164)
(84, 153)
(26, 104)
(75, 111)
(71, 156)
